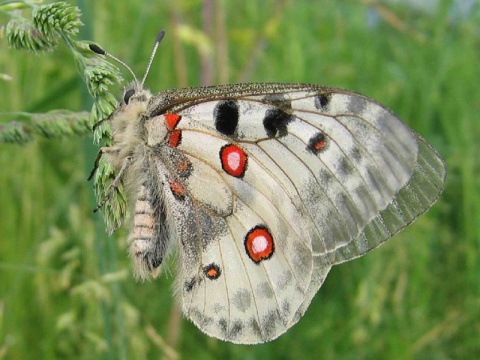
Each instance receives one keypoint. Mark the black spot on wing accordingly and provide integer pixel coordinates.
(236, 329)
(325, 176)
(276, 122)
(212, 271)
(269, 323)
(226, 115)
(254, 327)
(190, 284)
(357, 104)
(223, 324)
(322, 101)
(278, 100)
(286, 308)
(356, 154)
(317, 143)
(345, 167)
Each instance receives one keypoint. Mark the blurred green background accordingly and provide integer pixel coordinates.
(66, 289)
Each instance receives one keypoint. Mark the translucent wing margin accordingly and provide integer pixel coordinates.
(416, 197)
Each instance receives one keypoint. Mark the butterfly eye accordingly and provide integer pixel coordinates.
(128, 94)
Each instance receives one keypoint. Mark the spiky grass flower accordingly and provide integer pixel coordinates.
(48, 24)
(57, 18)
(99, 75)
(60, 21)
(22, 35)
(25, 127)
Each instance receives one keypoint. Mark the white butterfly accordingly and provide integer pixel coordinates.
(262, 188)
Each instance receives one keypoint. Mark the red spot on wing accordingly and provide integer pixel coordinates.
(234, 160)
(319, 145)
(171, 121)
(212, 271)
(178, 190)
(183, 166)
(259, 244)
(175, 138)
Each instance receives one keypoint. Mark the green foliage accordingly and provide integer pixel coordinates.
(57, 19)
(49, 23)
(51, 125)
(66, 289)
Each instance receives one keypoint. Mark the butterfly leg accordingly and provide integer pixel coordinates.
(103, 150)
(115, 182)
(99, 123)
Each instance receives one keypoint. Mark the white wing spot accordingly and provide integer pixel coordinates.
(259, 244)
(233, 160)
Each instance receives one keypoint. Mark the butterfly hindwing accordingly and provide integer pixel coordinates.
(237, 289)
(264, 187)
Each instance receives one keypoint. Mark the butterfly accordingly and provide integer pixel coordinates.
(261, 189)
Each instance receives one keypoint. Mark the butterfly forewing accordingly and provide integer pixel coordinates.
(260, 204)
(263, 187)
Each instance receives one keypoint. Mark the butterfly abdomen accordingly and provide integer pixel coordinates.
(148, 236)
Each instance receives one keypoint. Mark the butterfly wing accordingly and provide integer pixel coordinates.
(269, 185)
(246, 257)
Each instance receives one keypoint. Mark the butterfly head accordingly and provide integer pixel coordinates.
(135, 93)
(126, 120)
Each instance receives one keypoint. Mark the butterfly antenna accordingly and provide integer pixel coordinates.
(159, 38)
(98, 50)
